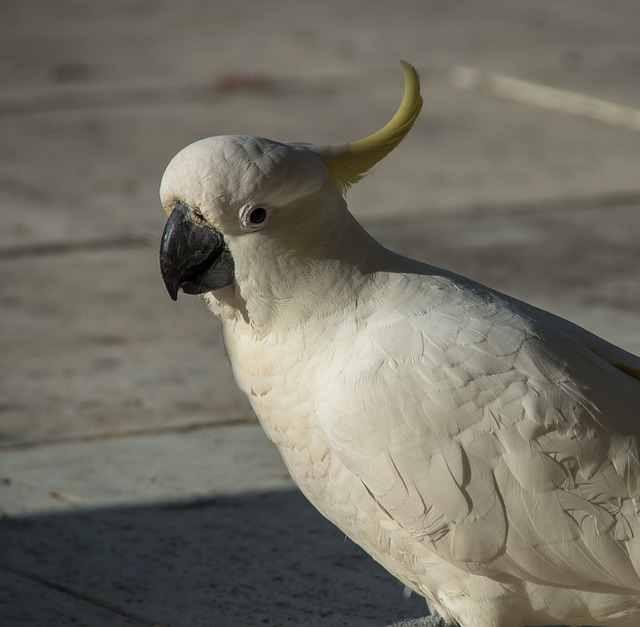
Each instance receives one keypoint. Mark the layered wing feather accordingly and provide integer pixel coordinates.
(503, 437)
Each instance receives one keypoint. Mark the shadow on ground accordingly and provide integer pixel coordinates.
(257, 559)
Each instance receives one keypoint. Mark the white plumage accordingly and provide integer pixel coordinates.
(483, 450)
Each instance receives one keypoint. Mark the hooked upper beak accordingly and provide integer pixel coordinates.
(193, 257)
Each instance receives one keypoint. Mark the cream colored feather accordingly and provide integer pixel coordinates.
(482, 450)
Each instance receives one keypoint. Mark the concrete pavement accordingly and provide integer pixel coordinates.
(135, 485)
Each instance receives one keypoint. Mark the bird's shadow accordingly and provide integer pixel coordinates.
(252, 559)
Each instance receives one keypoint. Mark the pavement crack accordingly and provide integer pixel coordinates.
(38, 249)
(595, 202)
(112, 96)
(101, 96)
(133, 433)
(80, 596)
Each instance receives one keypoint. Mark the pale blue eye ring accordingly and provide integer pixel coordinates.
(254, 217)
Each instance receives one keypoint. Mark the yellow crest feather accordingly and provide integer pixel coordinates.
(347, 163)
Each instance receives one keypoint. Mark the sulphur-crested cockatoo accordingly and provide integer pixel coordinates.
(482, 450)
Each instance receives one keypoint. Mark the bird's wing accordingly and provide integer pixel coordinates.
(504, 438)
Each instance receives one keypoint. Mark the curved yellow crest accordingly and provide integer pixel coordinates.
(348, 162)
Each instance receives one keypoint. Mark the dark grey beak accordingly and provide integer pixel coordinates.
(193, 257)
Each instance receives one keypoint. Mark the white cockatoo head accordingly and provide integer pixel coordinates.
(244, 211)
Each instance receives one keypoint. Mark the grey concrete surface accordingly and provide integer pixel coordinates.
(136, 487)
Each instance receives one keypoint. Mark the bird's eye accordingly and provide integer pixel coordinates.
(258, 215)
(254, 217)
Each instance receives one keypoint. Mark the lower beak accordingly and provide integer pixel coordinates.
(193, 257)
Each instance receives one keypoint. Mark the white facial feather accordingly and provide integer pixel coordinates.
(220, 174)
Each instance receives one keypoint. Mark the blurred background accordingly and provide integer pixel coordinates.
(118, 410)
